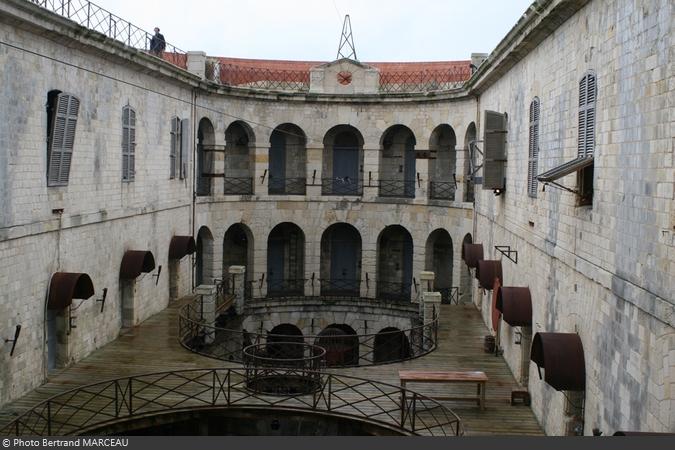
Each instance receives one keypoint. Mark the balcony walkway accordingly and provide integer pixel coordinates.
(153, 347)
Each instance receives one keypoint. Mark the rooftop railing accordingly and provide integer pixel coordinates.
(98, 19)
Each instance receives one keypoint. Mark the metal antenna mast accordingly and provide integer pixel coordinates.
(347, 49)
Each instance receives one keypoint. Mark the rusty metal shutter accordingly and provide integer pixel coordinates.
(62, 139)
(184, 147)
(128, 143)
(175, 142)
(533, 153)
(494, 164)
(587, 97)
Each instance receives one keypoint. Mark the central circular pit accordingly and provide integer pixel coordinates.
(283, 368)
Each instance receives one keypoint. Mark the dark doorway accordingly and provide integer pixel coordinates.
(279, 337)
(342, 161)
(439, 259)
(238, 249)
(341, 344)
(340, 260)
(285, 260)
(394, 264)
(287, 161)
(391, 344)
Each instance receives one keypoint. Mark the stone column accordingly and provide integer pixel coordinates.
(207, 292)
(421, 174)
(426, 285)
(314, 170)
(431, 303)
(238, 280)
(371, 173)
(260, 169)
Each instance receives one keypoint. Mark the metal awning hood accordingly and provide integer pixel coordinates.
(487, 271)
(565, 169)
(181, 246)
(65, 286)
(471, 254)
(561, 355)
(135, 262)
(515, 304)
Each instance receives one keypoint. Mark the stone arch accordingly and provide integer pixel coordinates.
(204, 257)
(206, 140)
(340, 267)
(394, 264)
(439, 258)
(443, 167)
(391, 344)
(342, 170)
(285, 260)
(239, 158)
(469, 189)
(238, 249)
(341, 344)
(287, 170)
(397, 162)
(465, 294)
(279, 338)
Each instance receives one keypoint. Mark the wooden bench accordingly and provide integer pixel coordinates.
(425, 376)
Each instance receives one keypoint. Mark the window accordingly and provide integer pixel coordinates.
(128, 143)
(62, 111)
(175, 147)
(533, 149)
(583, 163)
(494, 161)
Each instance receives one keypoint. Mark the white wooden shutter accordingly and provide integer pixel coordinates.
(128, 143)
(184, 148)
(587, 97)
(175, 125)
(533, 153)
(494, 162)
(62, 139)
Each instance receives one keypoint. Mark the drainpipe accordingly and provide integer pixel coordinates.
(193, 114)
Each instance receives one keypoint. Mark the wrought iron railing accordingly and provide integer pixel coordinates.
(340, 287)
(287, 186)
(397, 188)
(341, 186)
(424, 80)
(282, 288)
(238, 186)
(262, 78)
(395, 291)
(449, 295)
(95, 18)
(344, 350)
(442, 190)
(95, 406)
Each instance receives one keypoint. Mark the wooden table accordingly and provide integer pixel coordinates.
(425, 376)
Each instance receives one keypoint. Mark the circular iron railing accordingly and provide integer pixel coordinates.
(93, 407)
(345, 350)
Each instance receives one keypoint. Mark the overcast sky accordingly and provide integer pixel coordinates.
(391, 30)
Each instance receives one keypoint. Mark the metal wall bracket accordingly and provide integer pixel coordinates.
(17, 331)
(506, 251)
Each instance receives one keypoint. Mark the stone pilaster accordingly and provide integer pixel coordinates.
(207, 293)
(238, 274)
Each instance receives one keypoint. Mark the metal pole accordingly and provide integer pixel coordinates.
(49, 417)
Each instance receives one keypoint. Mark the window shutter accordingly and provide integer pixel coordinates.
(132, 144)
(184, 147)
(62, 140)
(175, 123)
(128, 143)
(533, 153)
(494, 163)
(587, 96)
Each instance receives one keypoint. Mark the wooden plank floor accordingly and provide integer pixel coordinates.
(153, 347)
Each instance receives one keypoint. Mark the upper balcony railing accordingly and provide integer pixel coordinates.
(95, 18)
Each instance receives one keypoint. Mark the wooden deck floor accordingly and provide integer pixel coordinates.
(153, 347)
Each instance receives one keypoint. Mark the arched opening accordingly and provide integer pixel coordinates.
(397, 163)
(342, 161)
(287, 161)
(285, 260)
(442, 169)
(279, 337)
(439, 259)
(469, 163)
(341, 344)
(391, 344)
(239, 164)
(394, 264)
(206, 140)
(238, 250)
(465, 276)
(204, 259)
(341, 260)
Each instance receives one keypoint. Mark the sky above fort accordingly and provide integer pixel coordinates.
(392, 30)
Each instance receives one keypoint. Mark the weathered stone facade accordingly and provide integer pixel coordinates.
(605, 271)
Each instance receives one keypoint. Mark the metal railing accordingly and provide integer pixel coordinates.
(397, 188)
(262, 78)
(286, 186)
(238, 186)
(95, 406)
(442, 190)
(95, 18)
(395, 291)
(345, 350)
(424, 80)
(283, 288)
(449, 295)
(341, 186)
(340, 287)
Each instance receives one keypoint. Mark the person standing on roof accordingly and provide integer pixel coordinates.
(157, 43)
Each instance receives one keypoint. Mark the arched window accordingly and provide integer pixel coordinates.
(533, 148)
(128, 144)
